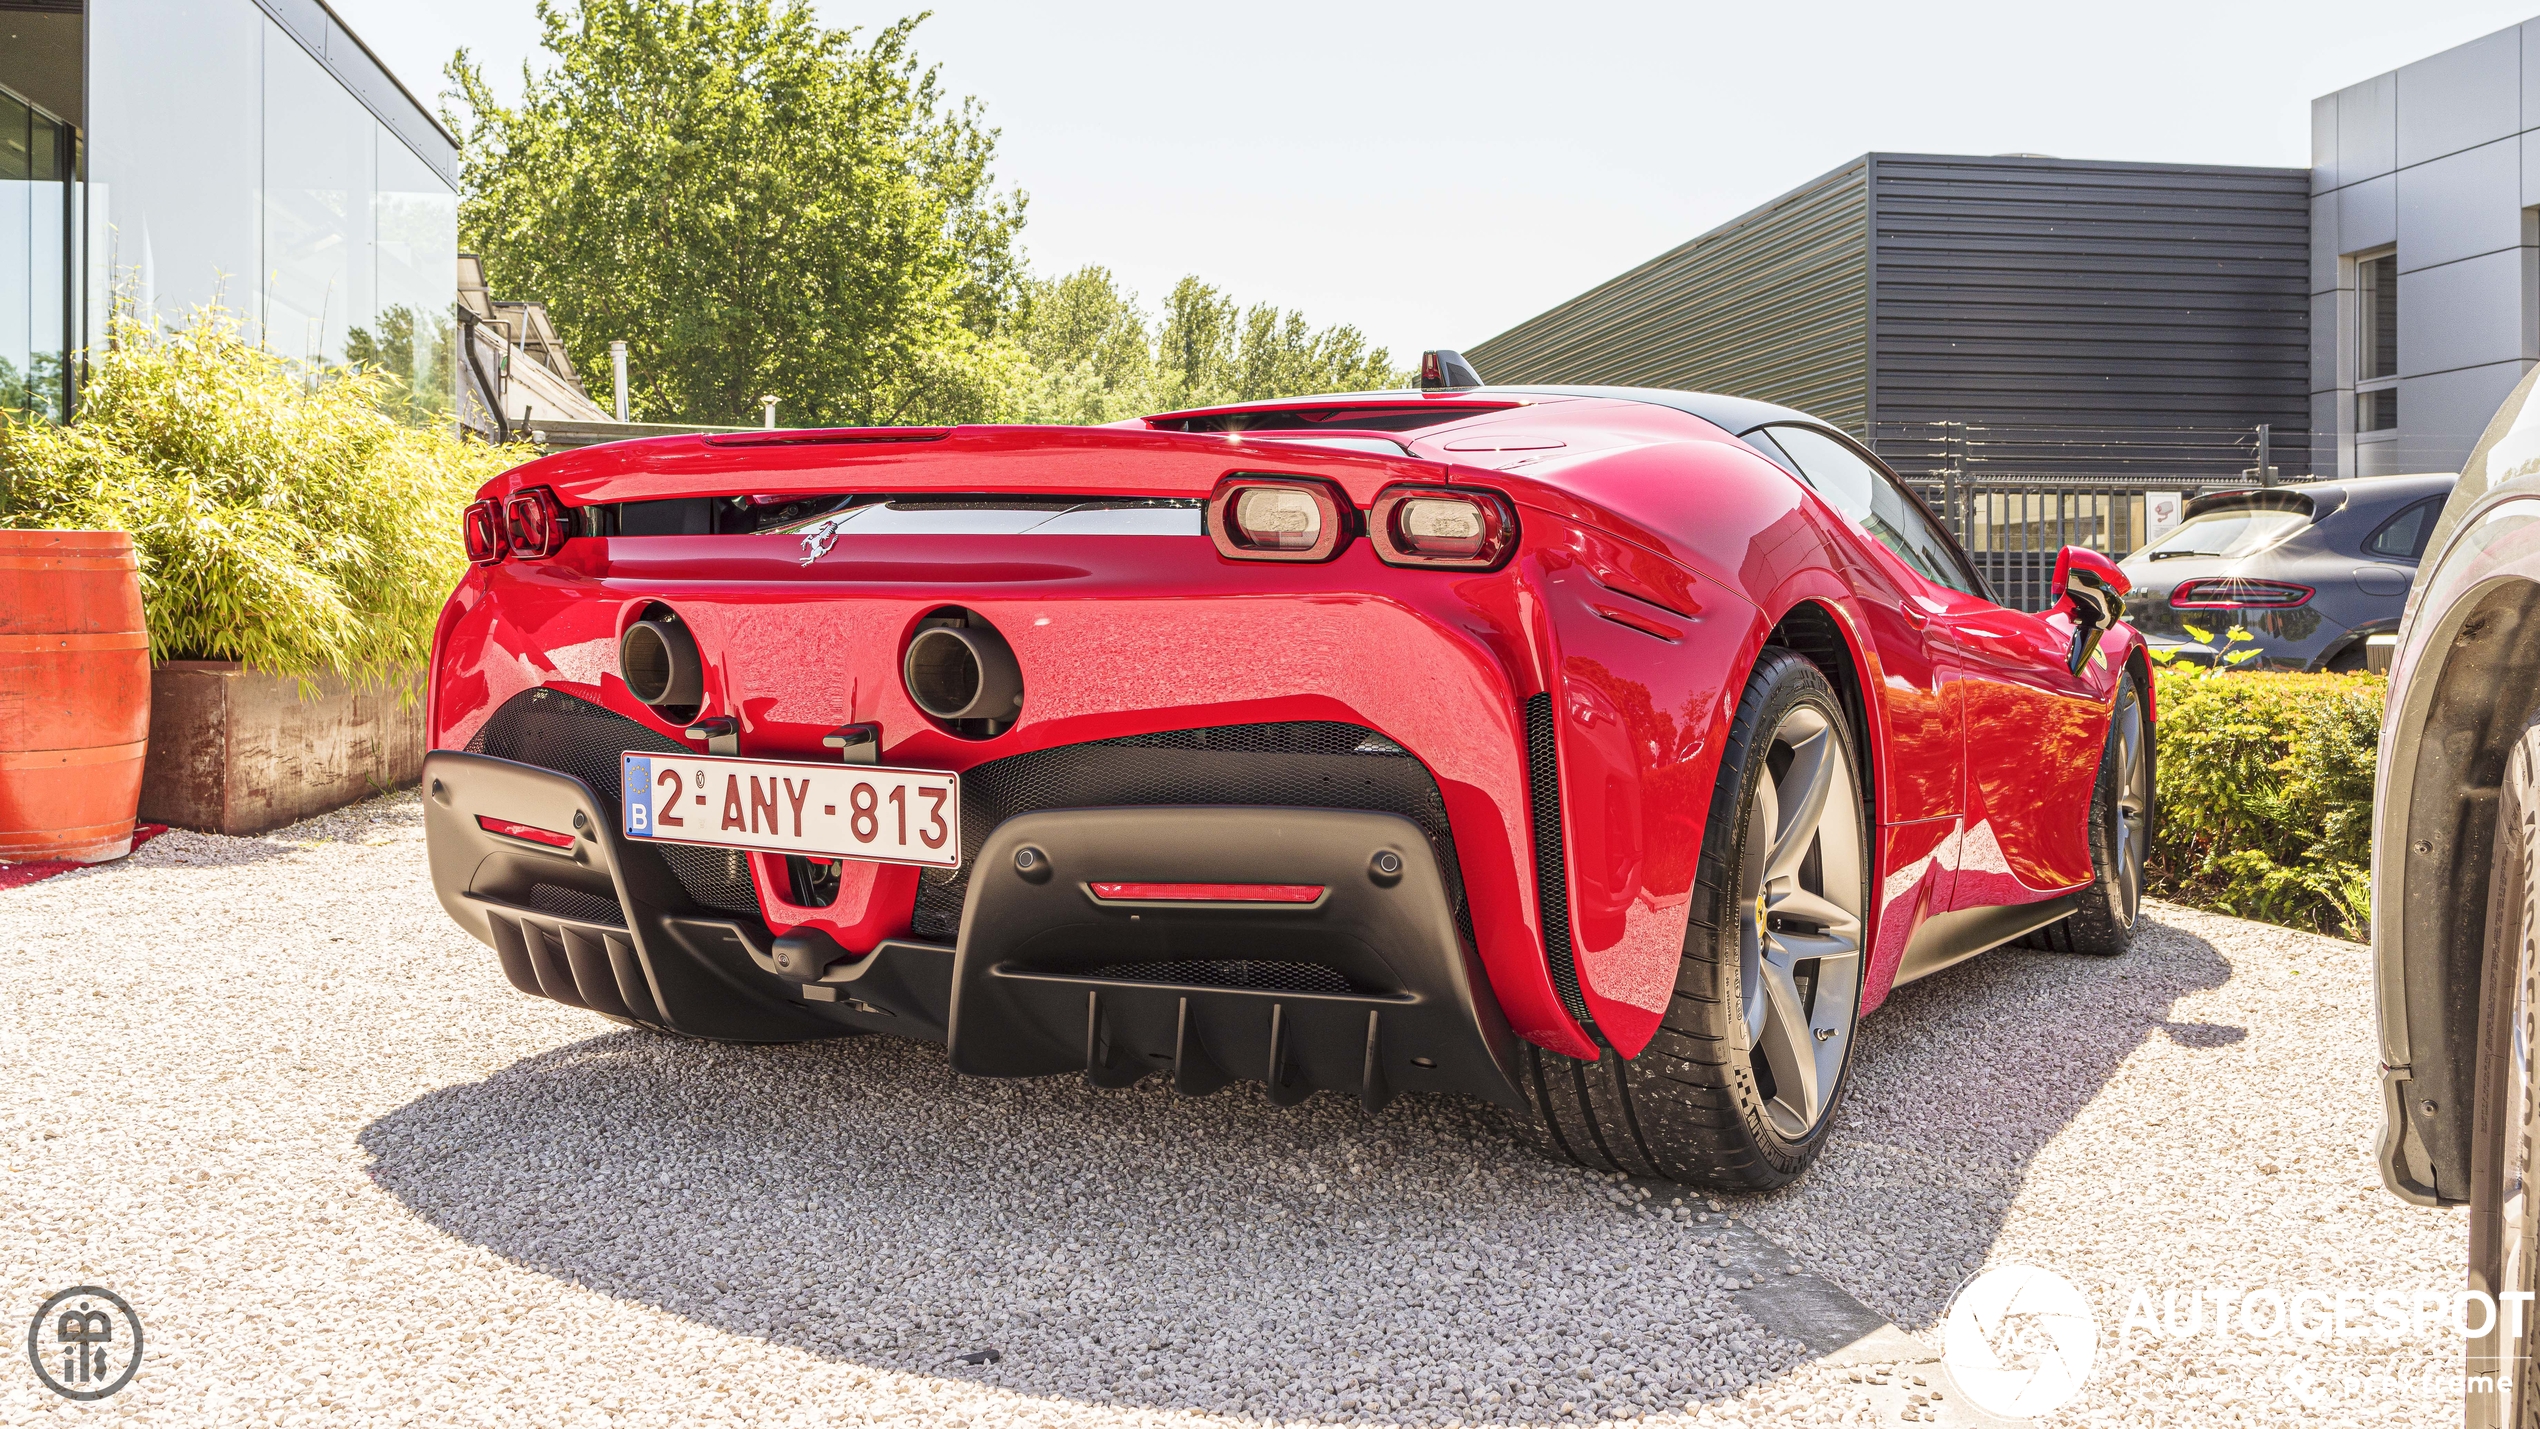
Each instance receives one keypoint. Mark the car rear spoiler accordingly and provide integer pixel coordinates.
(2315, 502)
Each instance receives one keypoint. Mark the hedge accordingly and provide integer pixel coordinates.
(2265, 795)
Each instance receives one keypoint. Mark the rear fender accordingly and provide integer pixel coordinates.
(1641, 696)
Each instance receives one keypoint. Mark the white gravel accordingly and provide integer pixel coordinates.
(346, 1175)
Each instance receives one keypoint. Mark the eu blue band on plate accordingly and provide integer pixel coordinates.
(639, 790)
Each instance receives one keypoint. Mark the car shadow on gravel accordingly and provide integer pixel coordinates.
(1962, 1079)
(858, 1201)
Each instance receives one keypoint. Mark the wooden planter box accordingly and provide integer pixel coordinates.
(237, 751)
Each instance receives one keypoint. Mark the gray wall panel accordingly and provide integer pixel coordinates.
(2466, 96)
(2368, 214)
(2440, 416)
(2326, 247)
(2007, 293)
(2367, 131)
(2058, 293)
(2448, 208)
(2449, 316)
(2324, 340)
(1772, 305)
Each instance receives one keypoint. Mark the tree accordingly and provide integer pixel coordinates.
(1209, 351)
(755, 205)
(1087, 343)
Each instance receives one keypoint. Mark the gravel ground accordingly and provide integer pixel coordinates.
(347, 1175)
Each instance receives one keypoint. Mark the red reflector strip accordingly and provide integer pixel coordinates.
(508, 829)
(1207, 892)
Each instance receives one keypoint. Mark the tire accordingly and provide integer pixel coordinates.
(2504, 1232)
(2121, 812)
(1741, 1082)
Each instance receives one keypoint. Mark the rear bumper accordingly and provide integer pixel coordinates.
(1368, 991)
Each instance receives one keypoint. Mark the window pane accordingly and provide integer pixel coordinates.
(2377, 317)
(18, 278)
(413, 336)
(321, 152)
(33, 269)
(173, 155)
(2377, 411)
(2402, 537)
(1861, 491)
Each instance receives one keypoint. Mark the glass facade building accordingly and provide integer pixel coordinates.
(249, 154)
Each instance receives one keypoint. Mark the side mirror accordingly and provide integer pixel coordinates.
(2095, 589)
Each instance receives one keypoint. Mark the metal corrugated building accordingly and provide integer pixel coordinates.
(2019, 295)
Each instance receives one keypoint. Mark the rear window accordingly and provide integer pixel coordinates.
(2232, 531)
(2402, 537)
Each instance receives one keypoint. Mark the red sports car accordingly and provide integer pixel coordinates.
(1603, 753)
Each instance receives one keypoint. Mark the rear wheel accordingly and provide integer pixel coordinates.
(2120, 838)
(2504, 1234)
(1740, 1083)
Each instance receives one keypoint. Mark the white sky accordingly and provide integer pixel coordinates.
(1437, 173)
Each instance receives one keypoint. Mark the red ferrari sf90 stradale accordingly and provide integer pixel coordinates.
(1602, 753)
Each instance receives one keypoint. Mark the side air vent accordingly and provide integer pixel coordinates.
(1552, 882)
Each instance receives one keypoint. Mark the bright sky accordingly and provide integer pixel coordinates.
(1437, 173)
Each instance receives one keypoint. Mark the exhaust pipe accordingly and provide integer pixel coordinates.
(964, 672)
(658, 659)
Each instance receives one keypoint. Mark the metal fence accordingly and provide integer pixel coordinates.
(2015, 496)
(2012, 526)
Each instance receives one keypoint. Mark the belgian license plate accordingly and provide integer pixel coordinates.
(859, 811)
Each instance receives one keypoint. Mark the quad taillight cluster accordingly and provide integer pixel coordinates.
(532, 523)
(2238, 593)
(1277, 518)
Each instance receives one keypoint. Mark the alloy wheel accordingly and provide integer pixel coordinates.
(1800, 924)
(2134, 802)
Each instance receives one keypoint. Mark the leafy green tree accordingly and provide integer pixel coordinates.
(1209, 351)
(756, 204)
(1087, 344)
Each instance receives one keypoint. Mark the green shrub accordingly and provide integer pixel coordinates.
(281, 518)
(2265, 794)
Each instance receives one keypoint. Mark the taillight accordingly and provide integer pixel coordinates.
(1459, 528)
(2238, 592)
(537, 522)
(550, 837)
(1276, 518)
(482, 522)
(1206, 892)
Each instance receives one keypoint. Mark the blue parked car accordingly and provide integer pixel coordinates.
(2313, 571)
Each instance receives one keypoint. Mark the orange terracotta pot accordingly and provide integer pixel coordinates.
(74, 695)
